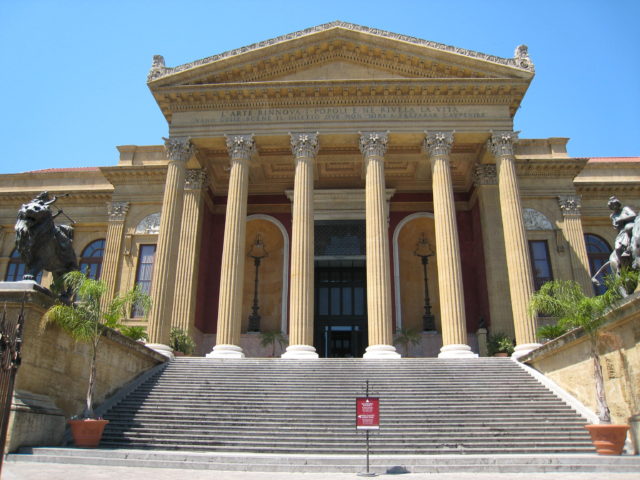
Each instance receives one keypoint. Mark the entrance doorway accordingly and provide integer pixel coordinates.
(341, 308)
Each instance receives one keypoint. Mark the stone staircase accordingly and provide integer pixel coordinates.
(273, 406)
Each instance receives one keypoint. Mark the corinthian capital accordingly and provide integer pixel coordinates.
(570, 204)
(485, 175)
(374, 143)
(240, 146)
(501, 143)
(179, 149)
(194, 179)
(304, 144)
(438, 143)
(117, 211)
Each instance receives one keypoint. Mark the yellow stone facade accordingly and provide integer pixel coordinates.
(340, 147)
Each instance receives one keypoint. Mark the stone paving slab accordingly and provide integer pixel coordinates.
(50, 471)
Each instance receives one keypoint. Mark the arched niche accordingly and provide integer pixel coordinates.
(149, 225)
(273, 273)
(535, 220)
(408, 271)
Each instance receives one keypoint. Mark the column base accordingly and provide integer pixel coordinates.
(162, 349)
(381, 352)
(226, 351)
(522, 350)
(300, 352)
(456, 351)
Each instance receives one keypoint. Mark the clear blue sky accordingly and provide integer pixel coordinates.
(74, 72)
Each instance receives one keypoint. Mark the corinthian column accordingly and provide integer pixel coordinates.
(179, 150)
(454, 326)
(117, 214)
(515, 242)
(240, 148)
(570, 206)
(304, 147)
(373, 146)
(184, 303)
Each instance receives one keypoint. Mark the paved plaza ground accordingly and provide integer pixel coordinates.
(49, 471)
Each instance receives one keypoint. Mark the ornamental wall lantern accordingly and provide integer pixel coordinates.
(423, 250)
(257, 252)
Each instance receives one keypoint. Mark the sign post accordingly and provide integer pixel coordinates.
(367, 419)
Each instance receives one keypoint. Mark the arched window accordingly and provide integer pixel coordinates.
(16, 267)
(91, 259)
(598, 251)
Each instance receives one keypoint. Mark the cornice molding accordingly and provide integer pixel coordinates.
(133, 174)
(568, 167)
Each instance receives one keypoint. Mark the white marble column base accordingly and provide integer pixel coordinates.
(300, 352)
(456, 351)
(162, 349)
(522, 350)
(381, 351)
(226, 351)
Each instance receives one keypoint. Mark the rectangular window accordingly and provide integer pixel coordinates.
(540, 262)
(144, 273)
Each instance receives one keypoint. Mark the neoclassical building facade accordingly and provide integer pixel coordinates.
(338, 185)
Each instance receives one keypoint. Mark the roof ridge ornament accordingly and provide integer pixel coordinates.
(521, 61)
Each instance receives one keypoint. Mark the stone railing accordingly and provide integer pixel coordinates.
(51, 383)
(567, 362)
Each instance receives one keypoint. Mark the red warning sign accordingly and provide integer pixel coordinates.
(367, 413)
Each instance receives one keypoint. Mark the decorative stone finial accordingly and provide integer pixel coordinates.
(304, 144)
(521, 57)
(501, 143)
(179, 149)
(240, 146)
(373, 143)
(438, 143)
(158, 68)
(117, 211)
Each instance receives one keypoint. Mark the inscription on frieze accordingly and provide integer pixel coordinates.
(347, 113)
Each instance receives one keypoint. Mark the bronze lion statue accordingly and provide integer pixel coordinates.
(42, 244)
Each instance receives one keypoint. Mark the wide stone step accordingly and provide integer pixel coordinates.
(381, 464)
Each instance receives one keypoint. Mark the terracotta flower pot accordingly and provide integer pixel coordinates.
(608, 439)
(87, 432)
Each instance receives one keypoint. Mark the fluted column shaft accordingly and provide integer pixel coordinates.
(373, 146)
(240, 147)
(117, 212)
(515, 241)
(452, 314)
(184, 303)
(570, 206)
(179, 150)
(301, 307)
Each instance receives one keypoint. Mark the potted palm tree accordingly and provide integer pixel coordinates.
(566, 301)
(271, 338)
(84, 319)
(407, 337)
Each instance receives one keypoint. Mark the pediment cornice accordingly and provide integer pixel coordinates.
(415, 56)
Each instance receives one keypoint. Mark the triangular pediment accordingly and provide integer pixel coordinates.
(340, 51)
